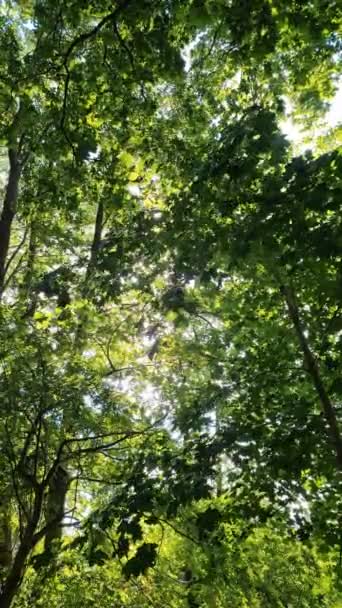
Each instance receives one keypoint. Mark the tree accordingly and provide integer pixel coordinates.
(170, 299)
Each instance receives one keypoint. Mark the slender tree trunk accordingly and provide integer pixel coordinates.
(94, 251)
(95, 246)
(30, 295)
(8, 212)
(219, 466)
(313, 370)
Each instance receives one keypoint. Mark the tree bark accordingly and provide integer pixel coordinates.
(58, 488)
(313, 370)
(8, 212)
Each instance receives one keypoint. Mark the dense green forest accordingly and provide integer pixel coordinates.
(171, 304)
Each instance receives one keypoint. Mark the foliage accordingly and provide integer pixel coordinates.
(170, 315)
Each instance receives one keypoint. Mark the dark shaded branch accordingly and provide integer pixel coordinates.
(107, 482)
(131, 368)
(313, 370)
(12, 274)
(93, 32)
(124, 45)
(199, 63)
(104, 446)
(180, 532)
(16, 250)
(78, 41)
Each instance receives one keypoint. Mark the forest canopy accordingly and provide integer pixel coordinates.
(170, 304)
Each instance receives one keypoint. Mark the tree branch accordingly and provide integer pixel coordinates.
(16, 250)
(313, 370)
(79, 40)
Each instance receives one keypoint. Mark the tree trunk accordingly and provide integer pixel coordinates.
(31, 296)
(94, 251)
(219, 466)
(55, 510)
(95, 246)
(8, 212)
(313, 370)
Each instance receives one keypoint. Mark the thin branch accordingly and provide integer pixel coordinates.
(104, 446)
(201, 61)
(199, 316)
(13, 273)
(131, 368)
(313, 370)
(124, 45)
(180, 532)
(108, 482)
(16, 251)
(79, 40)
(100, 436)
(125, 435)
(91, 33)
